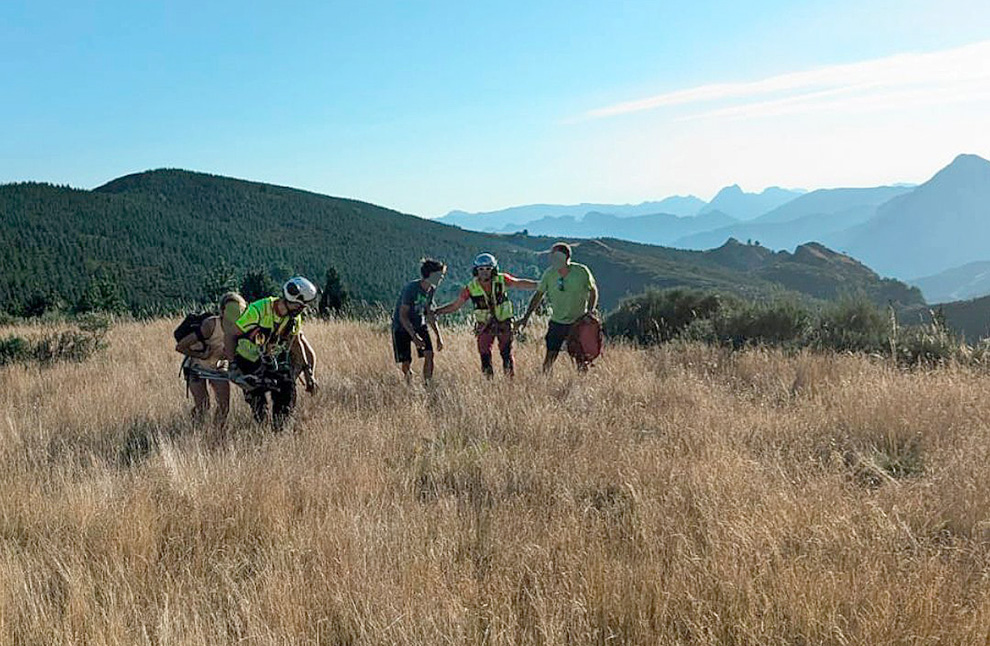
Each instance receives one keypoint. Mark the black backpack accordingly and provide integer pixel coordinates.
(192, 324)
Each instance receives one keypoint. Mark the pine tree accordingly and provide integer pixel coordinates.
(219, 280)
(334, 297)
(257, 284)
(102, 294)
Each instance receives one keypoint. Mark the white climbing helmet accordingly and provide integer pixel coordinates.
(299, 290)
(485, 260)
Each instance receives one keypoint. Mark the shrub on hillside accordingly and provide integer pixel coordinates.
(852, 325)
(930, 344)
(39, 303)
(76, 345)
(12, 349)
(659, 316)
(778, 323)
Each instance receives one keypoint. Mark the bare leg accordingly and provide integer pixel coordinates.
(427, 367)
(405, 366)
(201, 399)
(221, 390)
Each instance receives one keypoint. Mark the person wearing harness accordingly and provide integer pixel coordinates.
(268, 351)
(573, 296)
(204, 351)
(488, 292)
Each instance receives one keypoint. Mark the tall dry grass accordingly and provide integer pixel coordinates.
(682, 495)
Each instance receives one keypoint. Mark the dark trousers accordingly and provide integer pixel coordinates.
(282, 387)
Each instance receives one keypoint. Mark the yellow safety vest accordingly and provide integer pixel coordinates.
(484, 304)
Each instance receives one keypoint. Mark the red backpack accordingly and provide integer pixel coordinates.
(584, 343)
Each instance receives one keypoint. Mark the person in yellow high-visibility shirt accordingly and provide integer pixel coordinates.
(488, 291)
(267, 351)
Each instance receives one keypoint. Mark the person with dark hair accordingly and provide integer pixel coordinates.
(573, 295)
(488, 292)
(413, 312)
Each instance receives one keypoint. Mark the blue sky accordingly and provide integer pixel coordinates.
(431, 106)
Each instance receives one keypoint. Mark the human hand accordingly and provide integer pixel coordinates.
(311, 385)
(420, 343)
(439, 344)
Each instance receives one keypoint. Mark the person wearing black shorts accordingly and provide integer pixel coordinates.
(557, 334)
(402, 344)
(573, 295)
(412, 315)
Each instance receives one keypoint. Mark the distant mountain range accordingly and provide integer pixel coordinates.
(161, 236)
(972, 280)
(943, 223)
(659, 229)
(812, 216)
(733, 201)
(939, 230)
(518, 217)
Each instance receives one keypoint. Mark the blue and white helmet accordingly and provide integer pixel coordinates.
(485, 260)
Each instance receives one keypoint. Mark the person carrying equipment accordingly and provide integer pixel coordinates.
(573, 296)
(488, 292)
(201, 339)
(268, 351)
(415, 304)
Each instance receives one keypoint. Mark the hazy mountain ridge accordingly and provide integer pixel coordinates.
(517, 217)
(733, 201)
(812, 216)
(660, 228)
(826, 201)
(941, 224)
(969, 281)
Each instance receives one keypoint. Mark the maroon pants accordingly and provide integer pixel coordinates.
(487, 333)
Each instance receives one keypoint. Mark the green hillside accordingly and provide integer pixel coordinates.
(970, 318)
(158, 235)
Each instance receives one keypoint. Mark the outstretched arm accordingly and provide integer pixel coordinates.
(524, 283)
(452, 306)
(533, 304)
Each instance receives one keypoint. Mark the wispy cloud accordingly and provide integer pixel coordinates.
(949, 76)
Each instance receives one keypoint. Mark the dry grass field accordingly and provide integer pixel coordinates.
(682, 495)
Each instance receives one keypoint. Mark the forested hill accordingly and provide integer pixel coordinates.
(163, 236)
(159, 235)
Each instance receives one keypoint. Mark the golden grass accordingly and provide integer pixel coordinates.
(681, 495)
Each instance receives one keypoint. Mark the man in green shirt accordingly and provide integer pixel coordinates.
(267, 351)
(570, 288)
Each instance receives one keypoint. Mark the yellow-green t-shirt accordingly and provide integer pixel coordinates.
(277, 330)
(568, 295)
